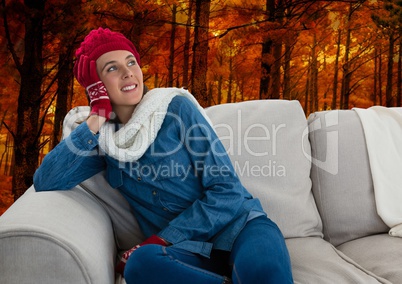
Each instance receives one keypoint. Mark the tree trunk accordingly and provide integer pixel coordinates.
(375, 83)
(286, 72)
(336, 71)
(210, 87)
(345, 90)
(388, 92)
(186, 48)
(399, 91)
(315, 86)
(380, 77)
(242, 91)
(306, 93)
(347, 72)
(287, 91)
(26, 151)
(277, 53)
(172, 41)
(266, 65)
(230, 81)
(265, 69)
(64, 94)
(314, 77)
(200, 52)
(8, 149)
(276, 71)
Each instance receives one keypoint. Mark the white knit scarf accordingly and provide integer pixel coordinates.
(130, 142)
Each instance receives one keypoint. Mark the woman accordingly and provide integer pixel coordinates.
(162, 154)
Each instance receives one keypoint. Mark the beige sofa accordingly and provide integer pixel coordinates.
(311, 175)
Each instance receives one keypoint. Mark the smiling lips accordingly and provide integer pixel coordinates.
(129, 88)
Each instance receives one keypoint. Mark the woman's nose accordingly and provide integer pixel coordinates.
(127, 73)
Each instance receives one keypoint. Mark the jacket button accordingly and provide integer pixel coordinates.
(139, 178)
(90, 141)
(154, 192)
(165, 209)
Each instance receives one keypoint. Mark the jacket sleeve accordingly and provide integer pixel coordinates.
(72, 161)
(223, 194)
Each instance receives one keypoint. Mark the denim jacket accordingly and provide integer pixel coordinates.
(184, 188)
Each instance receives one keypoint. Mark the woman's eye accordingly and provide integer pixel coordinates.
(131, 63)
(112, 68)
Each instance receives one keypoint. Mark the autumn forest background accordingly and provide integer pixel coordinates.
(326, 54)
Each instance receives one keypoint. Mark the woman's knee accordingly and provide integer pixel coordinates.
(262, 270)
(260, 255)
(143, 262)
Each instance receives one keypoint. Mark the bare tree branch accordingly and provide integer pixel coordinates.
(10, 44)
(9, 129)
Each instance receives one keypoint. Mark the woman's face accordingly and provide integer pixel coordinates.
(122, 77)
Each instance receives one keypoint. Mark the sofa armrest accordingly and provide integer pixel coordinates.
(56, 237)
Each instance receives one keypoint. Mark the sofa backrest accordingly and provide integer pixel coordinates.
(342, 183)
(265, 141)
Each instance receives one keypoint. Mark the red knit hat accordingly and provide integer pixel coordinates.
(100, 41)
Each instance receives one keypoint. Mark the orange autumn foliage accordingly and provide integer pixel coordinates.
(303, 59)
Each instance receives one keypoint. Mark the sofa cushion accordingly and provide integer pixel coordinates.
(316, 261)
(264, 140)
(126, 230)
(342, 183)
(369, 250)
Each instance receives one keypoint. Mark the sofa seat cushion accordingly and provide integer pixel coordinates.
(342, 183)
(265, 141)
(381, 254)
(314, 260)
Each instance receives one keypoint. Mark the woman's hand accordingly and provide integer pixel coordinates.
(88, 77)
(95, 122)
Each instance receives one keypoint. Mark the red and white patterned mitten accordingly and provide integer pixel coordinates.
(154, 239)
(88, 77)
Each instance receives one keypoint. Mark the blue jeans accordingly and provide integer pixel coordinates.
(259, 255)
